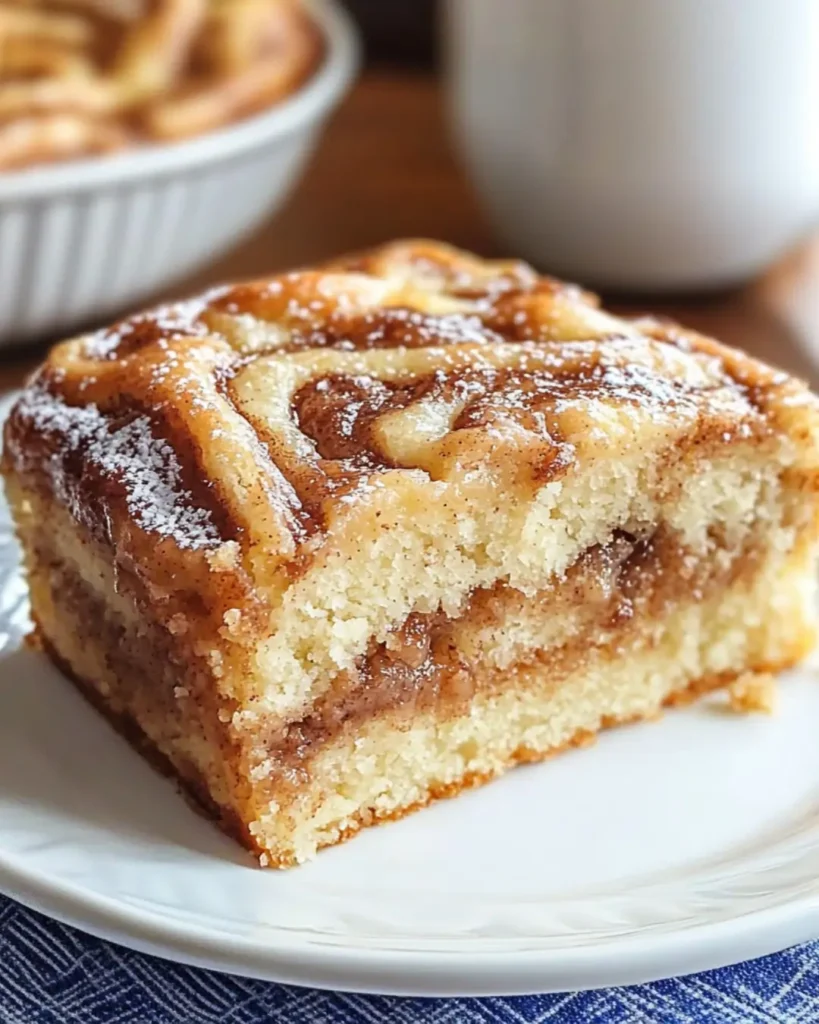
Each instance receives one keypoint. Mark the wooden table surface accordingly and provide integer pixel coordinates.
(385, 169)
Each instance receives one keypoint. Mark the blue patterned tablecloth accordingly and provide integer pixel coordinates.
(50, 974)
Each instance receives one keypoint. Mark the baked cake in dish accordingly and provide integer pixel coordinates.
(85, 77)
(331, 545)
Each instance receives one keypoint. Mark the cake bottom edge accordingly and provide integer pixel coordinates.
(193, 785)
(526, 755)
(190, 782)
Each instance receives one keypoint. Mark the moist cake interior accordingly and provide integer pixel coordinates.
(336, 544)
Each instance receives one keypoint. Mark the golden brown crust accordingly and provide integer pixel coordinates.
(151, 432)
(191, 783)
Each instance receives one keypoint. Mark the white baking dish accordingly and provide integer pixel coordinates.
(81, 241)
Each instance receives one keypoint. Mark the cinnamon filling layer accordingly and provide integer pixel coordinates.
(615, 596)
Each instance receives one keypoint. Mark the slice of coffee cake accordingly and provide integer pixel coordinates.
(337, 543)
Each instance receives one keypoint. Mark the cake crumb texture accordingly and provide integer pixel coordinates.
(753, 691)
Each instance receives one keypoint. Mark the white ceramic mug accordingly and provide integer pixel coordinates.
(649, 144)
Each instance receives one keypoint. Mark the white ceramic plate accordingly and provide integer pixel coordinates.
(667, 848)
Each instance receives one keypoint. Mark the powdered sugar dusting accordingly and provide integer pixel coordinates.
(146, 467)
(163, 323)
